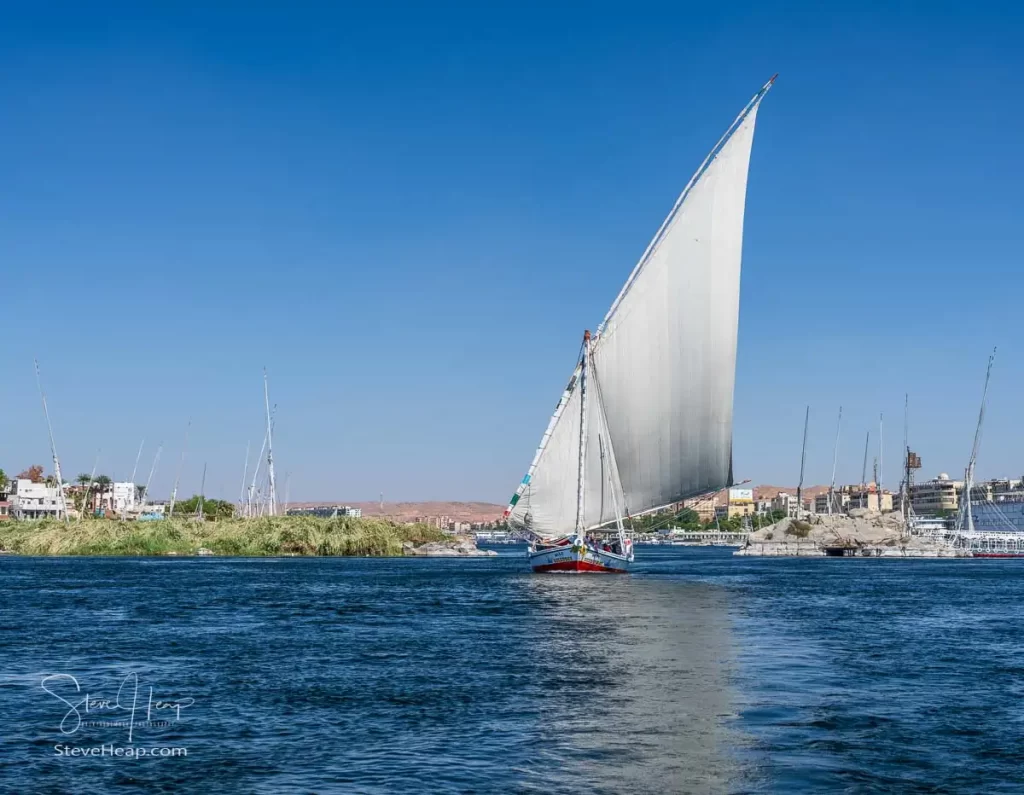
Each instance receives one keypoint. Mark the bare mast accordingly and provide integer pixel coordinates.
(152, 469)
(864, 472)
(245, 477)
(965, 521)
(202, 493)
(255, 476)
(878, 474)
(803, 458)
(138, 457)
(272, 485)
(61, 502)
(835, 459)
(177, 477)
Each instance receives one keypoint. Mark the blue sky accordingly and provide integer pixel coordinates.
(409, 214)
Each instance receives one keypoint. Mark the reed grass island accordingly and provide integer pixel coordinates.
(263, 537)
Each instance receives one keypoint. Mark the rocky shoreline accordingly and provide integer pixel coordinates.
(455, 548)
(863, 533)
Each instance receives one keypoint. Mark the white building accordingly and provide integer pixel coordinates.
(120, 497)
(786, 503)
(125, 497)
(35, 500)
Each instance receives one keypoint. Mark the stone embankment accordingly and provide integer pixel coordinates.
(861, 534)
(456, 548)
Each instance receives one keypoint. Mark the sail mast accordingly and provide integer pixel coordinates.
(245, 477)
(202, 494)
(152, 469)
(272, 497)
(864, 472)
(608, 457)
(965, 521)
(255, 476)
(803, 458)
(61, 503)
(177, 477)
(835, 459)
(138, 457)
(581, 477)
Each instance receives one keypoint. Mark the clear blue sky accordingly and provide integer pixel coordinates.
(409, 214)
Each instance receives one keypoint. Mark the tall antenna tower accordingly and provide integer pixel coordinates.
(272, 485)
(61, 502)
(382, 503)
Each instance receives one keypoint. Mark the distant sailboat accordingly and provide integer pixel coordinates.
(646, 419)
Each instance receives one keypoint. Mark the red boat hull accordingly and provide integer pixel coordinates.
(570, 556)
(998, 554)
(578, 567)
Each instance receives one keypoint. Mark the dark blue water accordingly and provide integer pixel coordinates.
(699, 673)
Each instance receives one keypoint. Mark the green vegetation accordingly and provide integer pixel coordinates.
(271, 536)
(212, 509)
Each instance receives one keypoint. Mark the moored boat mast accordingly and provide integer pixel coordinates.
(581, 477)
(61, 502)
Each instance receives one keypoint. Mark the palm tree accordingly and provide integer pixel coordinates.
(102, 486)
(83, 479)
(3, 482)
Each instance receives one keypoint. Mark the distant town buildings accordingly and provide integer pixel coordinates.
(936, 497)
(740, 503)
(840, 501)
(703, 506)
(786, 503)
(846, 498)
(327, 511)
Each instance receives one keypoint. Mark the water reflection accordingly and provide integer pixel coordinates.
(636, 676)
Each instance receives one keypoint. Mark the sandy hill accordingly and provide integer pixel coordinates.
(407, 511)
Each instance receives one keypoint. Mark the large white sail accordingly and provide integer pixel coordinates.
(664, 365)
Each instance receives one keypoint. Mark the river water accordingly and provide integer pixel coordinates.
(698, 673)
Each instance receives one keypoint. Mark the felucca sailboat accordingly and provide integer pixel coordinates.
(646, 419)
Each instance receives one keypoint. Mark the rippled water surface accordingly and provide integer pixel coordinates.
(699, 673)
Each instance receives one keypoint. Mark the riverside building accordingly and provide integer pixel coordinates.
(30, 500)
(936, 497)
